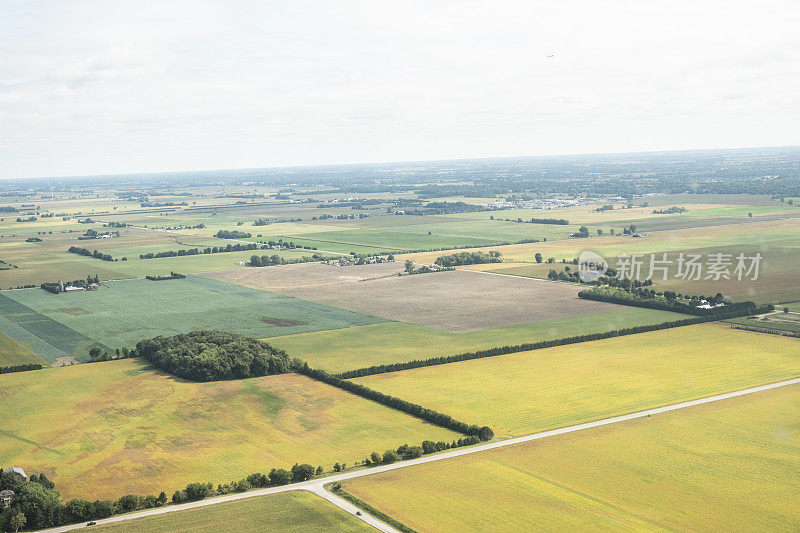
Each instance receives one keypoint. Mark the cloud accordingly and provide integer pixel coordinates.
(100, 87)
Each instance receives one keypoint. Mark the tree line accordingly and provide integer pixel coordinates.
(232, 234)
(556, 221)
(238, 247)
(504, 350)
(468, 258)
(172, 275)
(643, 298)
(429, 415)
(87, 253)
(20, 368)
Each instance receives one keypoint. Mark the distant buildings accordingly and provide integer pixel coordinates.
(18, 471)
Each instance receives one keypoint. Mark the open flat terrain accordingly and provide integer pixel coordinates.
(101, 430)
(343, 349)
(13, 353)
(543, 389)
(298, 511)
(455, 301)
(122, 313)
(726, 466)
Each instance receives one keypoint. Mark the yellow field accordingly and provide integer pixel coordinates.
(299, 511)
(727, 466)
(13, 353)
(543, 389)
(102, 430)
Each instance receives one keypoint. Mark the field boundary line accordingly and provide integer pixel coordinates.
(312, 484)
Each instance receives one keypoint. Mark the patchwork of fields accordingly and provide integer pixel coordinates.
(349, 348)
(125, 312)
(728, 466)
(543, 389)
(102, 430)
(454, 301)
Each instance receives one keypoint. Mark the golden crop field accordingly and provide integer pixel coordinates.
(299, 511)
(102, 430)
(13, 353)
(543, 389)
(730, 465)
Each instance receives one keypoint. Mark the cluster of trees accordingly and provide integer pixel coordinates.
(268, 221)
(55, 287)
(97, 353)
(256, 261)
(671, 301)
(424, 269)
(670, 210)
(429, 415)
(557, 221)
(582, 233)
(468, 258)
(36, 504)
(19, 368)
(29, 219)
(214, 355)
(172, 275)
(238, 247)
(232, 234)
(33, 239)
(87, 253)
(354, 216)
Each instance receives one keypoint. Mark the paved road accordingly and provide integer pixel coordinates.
(316, 484)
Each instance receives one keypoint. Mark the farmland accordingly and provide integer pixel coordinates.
(102, 430)
(448, 300)
(125, 312)
(553, 387)
(728, 465)
(297, 511)
(348, 348)
(12, 353)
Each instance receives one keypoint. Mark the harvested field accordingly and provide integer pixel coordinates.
(305, 275)
(101, 430)
(554, 387)
(726, 466)
(456, 301)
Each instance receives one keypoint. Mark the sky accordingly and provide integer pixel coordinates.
(103, 87)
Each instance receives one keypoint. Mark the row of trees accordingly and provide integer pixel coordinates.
(19, 368)
(468, 258)
(668, 301)
(556, 221)
(503, 350)
(87, 253)
(238, 247)
(434, 417)
(232, 234)
(214, 355)
(172, 275)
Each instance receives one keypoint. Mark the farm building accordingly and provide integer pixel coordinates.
(18, 471)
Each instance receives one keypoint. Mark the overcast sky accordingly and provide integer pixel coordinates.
(116, 87)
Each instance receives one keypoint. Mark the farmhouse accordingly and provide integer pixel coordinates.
(18, 471)
(5, 497)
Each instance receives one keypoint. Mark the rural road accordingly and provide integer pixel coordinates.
(315, 485)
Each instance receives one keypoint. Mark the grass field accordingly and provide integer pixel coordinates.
(543, 389)
(125, 312)
(13, 353)
(727, 466)
(348, 348)
(298, 511)
(455, 301)
(106, 429)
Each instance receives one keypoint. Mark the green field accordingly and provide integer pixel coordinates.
(13, 353)
(543, 389)
(122, 313)
(101, 430)
(727, 466)
(298, 511)
(348, 348)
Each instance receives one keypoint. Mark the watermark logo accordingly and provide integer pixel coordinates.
(591, 266)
